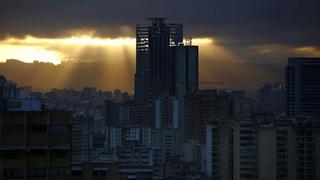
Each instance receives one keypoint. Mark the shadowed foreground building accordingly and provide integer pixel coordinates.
(252, 148)
(96, 170)
(35, 145)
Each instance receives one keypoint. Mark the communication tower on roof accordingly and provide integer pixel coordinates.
(189, 41)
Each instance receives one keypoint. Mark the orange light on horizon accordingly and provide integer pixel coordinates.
(203, 41)
(57, 50)
(29, 54)
(73, 40)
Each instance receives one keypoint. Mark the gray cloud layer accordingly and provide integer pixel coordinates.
(233, 21)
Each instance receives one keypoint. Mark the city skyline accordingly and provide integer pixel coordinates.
(237, 40)
(179, 99)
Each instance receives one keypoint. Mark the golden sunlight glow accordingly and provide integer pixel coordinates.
(74, 40)
(114, 59)
(308, 51)
(203, 41)
(29, 53)
(56, 50)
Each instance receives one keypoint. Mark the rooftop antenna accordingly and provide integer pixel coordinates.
(189, 41)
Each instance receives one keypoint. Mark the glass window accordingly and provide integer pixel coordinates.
(13, 172)
(59, 129)
(39, 128)
(37, 172)
(59, 171)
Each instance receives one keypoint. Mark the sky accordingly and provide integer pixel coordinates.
(238, 39)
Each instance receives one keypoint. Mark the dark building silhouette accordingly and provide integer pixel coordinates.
(185, 60)
(303, 87)
(154, 68)
(203, 107)
(185, 69)
(35, 145)
(165, 67)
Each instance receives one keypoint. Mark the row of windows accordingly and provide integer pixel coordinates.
(22, 154)
(36, 172)
(20, 130)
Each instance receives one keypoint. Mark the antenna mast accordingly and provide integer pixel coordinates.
(189, 41)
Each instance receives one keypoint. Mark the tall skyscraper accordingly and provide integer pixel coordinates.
(154, 67)
(303, 87)
(186, 69)
(185, 76)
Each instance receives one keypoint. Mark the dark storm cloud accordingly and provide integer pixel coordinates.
(233, 22)
(259, 34)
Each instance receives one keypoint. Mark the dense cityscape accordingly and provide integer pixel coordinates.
(169, 128)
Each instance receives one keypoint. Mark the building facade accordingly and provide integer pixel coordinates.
(35, 145)
(302, 87)
(154, 68)
(260, 147)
